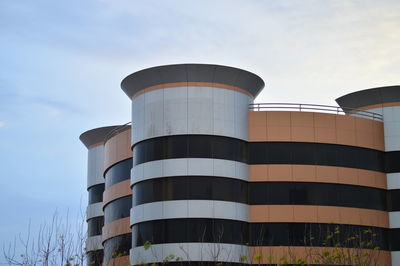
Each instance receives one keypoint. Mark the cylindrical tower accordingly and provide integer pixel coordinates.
(312, 174)
(117, 197)
(189, 174)
(384, 101)
(94, 141)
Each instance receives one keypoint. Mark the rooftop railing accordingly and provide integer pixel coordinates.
(301, 107)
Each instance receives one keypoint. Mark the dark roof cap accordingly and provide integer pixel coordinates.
(95, 135)
(380, 95)
(192, 73)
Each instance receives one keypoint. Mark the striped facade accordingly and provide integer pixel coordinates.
(201, 179)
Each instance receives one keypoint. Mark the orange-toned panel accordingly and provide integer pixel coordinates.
(116, 191)
(313, 255)
(120, 261)
(316, 173)
(116, 228)
(117, 148)
(193, 84)
(317, 214)
(315, 127)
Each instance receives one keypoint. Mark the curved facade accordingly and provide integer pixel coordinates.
(117, 198)
(177, 111)
(212, 182)
(386, 102)
(94, 141)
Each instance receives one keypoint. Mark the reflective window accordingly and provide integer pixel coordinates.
(190, 187)
(117, 209)
(95, 257)
(95, 225)
(118, 172)
(256, 234)
(393, 200)
(261, 193)
(218, 147)
(118, 246)
(395, 239)
(392, 160)
(96, 193)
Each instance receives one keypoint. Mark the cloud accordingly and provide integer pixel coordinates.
(2, 124)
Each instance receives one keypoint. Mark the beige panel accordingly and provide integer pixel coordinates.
(120, 261)
(117, 148)
(116, 228)
(275, 255)
(192, 84)
(315, 127)
(316, 173)
(116, 191)
(259, 122)
(318, 214)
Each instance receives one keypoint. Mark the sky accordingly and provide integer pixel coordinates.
(61, 64)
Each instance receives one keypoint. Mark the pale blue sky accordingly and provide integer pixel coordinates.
(61, 63)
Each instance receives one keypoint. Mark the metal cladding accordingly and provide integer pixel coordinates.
(192, 73)
(363, 98)
(212, 180)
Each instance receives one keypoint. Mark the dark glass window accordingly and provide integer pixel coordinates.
(117, 209)
(96, 193)
(118, 172)
(95, 257)
(95, 225)
(190, 187)
(117, 246)
(261, 193)
(393, 200)
(392, 160)
(219, 147)
(257, 234)
(395, 239)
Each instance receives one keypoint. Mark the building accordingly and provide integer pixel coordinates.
(216, 178)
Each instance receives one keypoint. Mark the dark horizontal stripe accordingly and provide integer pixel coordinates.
(118, 172)
(117, 246)
(394, 239)
(257, 193)
(95, 257)
(219, 147)
(95, 225)
(393, 200)
(315, 154)
(96, 193)
(392, 162)
(117, 209)
(202, 230)
(190, 146)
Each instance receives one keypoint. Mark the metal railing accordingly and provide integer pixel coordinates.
(117, 130)
(302, 107)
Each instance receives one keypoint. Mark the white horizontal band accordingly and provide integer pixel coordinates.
(189, 166)
(93, 243)
(189, 252)
(175, 209)
(395, 258)
(394, 219)
(94, 210)
(393, 181)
